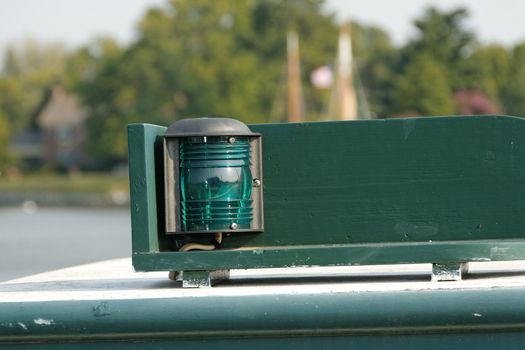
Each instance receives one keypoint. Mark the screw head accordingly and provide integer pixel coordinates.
(234, 226)
(231, 139)
(256, 182)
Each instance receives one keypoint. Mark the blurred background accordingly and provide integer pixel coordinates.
(74, 74)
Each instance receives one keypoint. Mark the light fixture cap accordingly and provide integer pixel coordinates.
(208, 127)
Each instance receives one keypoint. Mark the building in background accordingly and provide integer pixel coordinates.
(62, 125)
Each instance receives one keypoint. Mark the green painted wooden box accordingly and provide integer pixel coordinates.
(418, 190)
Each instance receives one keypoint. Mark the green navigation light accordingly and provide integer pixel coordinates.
(213, 177)
(216, 183)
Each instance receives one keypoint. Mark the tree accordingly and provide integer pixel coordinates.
(442, 36)
(376, 58)
(423, 89)
(200, 58)
(488, 70)
(513, 95)
(5, 136)
(13, 106)
(29, 70)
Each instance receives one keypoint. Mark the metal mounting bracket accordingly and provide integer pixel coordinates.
(449, 271)
(198, 279)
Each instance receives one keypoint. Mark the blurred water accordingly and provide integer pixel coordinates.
(34, 240)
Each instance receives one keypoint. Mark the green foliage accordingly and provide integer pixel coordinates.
(201, 58)
(423, 89)
(96, 74)
(12, 104)
(442, 34)
(513, 95)
(376, 58)
(30, 69)
(488, 70)
(5, 137)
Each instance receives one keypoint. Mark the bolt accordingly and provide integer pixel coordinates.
(256, 182)
(231, 139)
(234, 226)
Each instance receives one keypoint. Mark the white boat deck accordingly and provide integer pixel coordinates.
(115, 279)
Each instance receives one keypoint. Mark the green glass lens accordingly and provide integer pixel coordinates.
(216, 183)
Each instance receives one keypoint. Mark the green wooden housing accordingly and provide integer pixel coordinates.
(418, 190)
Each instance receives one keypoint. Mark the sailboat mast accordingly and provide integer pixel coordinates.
(294, 77)
(346, 97)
